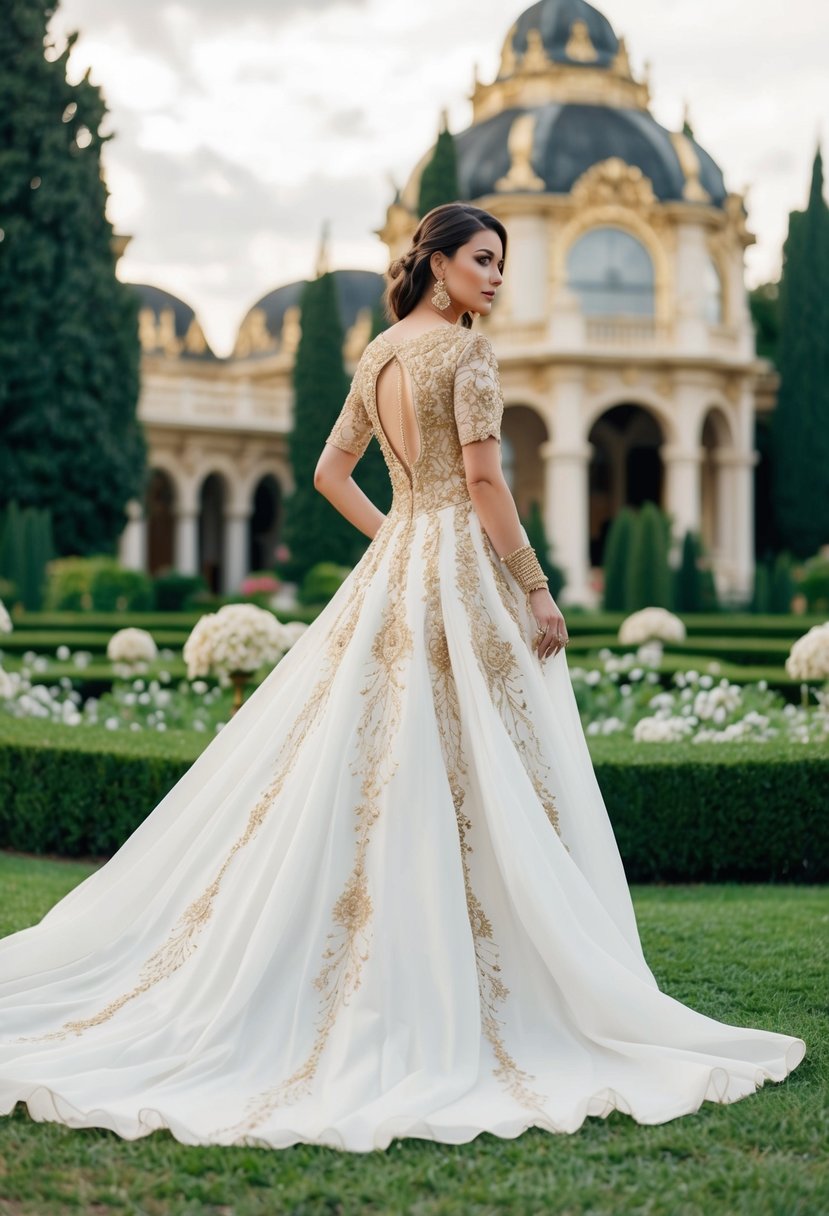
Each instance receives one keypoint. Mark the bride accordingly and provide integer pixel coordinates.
(386, 900)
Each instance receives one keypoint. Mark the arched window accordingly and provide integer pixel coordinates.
(612, 274)
(713, 293)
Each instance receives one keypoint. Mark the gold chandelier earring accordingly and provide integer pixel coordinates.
(440, 297)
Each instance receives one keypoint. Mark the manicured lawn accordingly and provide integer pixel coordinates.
(746, 954)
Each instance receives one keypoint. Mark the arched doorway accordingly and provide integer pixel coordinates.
(522, 434)
(265, 523)
(159, 507)
(211, 530)
(625, 468)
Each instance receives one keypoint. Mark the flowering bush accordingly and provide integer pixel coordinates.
(5, 619)
(809, 656)
(131, 646)
(239, 637)
(260, 584)
(625, 697)
(650, 623)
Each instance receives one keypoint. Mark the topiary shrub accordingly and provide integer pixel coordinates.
(77, 584)
(321, 582)
(172, 591)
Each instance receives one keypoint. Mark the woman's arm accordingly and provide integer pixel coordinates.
(496, 509)
(332, 477)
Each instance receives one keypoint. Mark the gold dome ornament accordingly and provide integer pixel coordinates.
(440, 297)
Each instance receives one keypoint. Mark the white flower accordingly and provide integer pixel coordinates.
(650, 623)
(809, 656)
(131, 646)
(294, 630)
(661, 730)
(5, 619)
(9, 683)
(239, 637)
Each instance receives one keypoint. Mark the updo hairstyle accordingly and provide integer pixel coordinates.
(443, 229)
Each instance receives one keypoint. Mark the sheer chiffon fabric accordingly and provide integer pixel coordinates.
(386, 900)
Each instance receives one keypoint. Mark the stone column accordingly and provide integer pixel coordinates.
(736, 470)
(682, 490)
(132, 543)
(235, 562)
(186, 546)
(566, 489)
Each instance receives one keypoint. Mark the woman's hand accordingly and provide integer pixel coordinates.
(548, 615)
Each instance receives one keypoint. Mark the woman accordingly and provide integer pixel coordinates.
(386, 900)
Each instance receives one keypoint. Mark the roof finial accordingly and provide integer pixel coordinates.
(322, 253)
(687, 129)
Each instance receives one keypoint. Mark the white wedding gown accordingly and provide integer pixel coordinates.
(386, 900)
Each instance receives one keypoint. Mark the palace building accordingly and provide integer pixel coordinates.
(622, 331)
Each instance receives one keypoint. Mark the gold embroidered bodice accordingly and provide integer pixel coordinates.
(456, 396)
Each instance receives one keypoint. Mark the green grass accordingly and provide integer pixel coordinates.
(750, 955)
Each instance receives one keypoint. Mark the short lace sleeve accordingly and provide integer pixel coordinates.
(479, 404)
(352, 430)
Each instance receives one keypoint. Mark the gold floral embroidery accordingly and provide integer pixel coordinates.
(505, 589)
(352, 430)
(437, 477)
(478, 401)
(499, 667)
(491, 987)
(181, 944)
(375, 763)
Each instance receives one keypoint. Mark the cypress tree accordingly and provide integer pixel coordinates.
(439, 179)
(537, 536)
(782, 583)
(314, 530)
(688, 584)
(371, 473)
(69, 352)
(800, 422)
(648, 573)
(616, 559)
(764, 305)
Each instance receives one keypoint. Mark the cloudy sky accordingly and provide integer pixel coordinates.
(241, 125)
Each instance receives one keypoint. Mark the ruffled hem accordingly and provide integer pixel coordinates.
(720, 1087)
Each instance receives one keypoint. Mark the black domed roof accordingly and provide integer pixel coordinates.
(355, 290)
(569, 139)
(554, 21)
(187, 330)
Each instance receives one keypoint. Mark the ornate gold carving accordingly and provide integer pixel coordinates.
(291, 329)
(580, 45)
(613, 181)
(254, 336)
(621, 61)
(521, 175)
(535, 58)
(693, 190)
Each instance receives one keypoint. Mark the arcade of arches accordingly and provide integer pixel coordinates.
(212, 523)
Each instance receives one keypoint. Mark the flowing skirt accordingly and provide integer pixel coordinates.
(385, 901)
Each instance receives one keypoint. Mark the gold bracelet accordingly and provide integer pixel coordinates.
(525, 567)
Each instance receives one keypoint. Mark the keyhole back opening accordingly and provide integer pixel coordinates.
(394, 398)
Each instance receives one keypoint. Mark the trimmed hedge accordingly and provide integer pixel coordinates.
(681, 812)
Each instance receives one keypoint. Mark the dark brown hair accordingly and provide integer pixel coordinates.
(443, 229)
